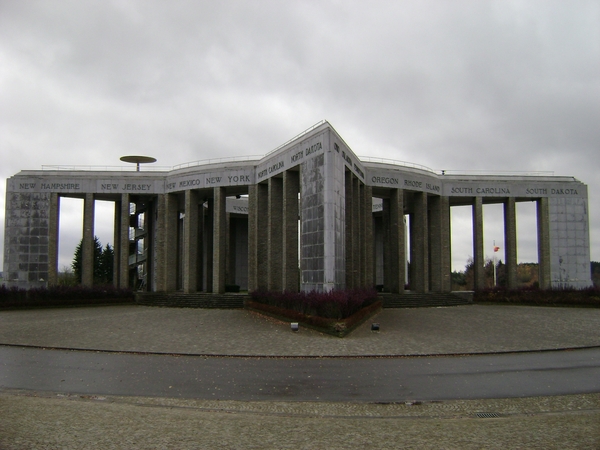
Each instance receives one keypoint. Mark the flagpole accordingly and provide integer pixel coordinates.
(494, 259)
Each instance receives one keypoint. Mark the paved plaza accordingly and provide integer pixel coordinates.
(33, 420)
(412, 331)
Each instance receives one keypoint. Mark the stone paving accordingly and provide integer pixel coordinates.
(33, 420)
(45, 421)
(416, 331)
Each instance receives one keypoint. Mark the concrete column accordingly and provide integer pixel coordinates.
(439, 244)
(87, 247)
(543, 241)
(149, 246)
(510, 242)
(117, 243)
(362, 251)
(219, 241)
(356, 232)
(350, 229)
(231, 249)
(275, 232)
(435, 244)
(420, 243)
(190, 242)
(394, 246)
(160, 243)
(446, 264)
(171, 240)
(209, 221)
(291, 187)
(478, 257)
(253, 214)
(123, 235)
(258, 202)
(202, 248)
(368, 263)
(388, 246)
(53, 229)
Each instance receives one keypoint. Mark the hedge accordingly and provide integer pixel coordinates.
(589, 297)
(15, 297)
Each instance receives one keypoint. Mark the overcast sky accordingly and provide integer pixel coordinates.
(456, 85)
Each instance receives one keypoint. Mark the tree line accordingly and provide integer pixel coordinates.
(527, 275)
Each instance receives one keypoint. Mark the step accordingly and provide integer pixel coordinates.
(194, 300)
(424, 300)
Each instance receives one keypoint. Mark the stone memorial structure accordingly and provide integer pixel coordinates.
(309, 215)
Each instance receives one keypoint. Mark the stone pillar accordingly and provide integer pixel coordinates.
(275, 232)
(258, 202)
(323, 254)
(171, 240)
(87, 246)
(510, 242)
(190, 242)
(543, 242)
(350, 228)
(435, 244)
(208, 227)
(160, 244)
(53, 231)
(368, 263)
(420, 243)
(123, 235)
(446, 245)
(117, 243)
(395, 275)
(439, 244)
(219, 241)
(253, 214)
(231, 249)
(478, 257)
(356, 232)
(291, 187)
(362, 237)
(388, 246)
(149, 246)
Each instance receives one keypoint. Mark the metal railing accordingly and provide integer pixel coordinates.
(216, 161)
(538, 173)
(299, 135)
(395, 163)
(128, 168)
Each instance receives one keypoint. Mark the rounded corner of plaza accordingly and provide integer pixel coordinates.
(309, 215)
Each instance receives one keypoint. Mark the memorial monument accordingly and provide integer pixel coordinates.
(309, 215)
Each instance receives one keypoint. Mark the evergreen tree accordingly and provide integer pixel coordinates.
(102, 269)
(107, 260)
(77, 262)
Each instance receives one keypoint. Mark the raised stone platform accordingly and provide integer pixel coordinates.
(195, 300)
(426, 300)
(235, 301)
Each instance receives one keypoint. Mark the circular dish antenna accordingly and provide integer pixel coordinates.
(135, 159)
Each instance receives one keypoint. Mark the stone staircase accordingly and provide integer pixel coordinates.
(195, 300)
(426, 300)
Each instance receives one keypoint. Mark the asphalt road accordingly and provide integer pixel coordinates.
(302, 379)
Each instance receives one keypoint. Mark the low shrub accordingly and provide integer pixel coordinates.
(14, 297)
(337, 304)
(589, 297)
